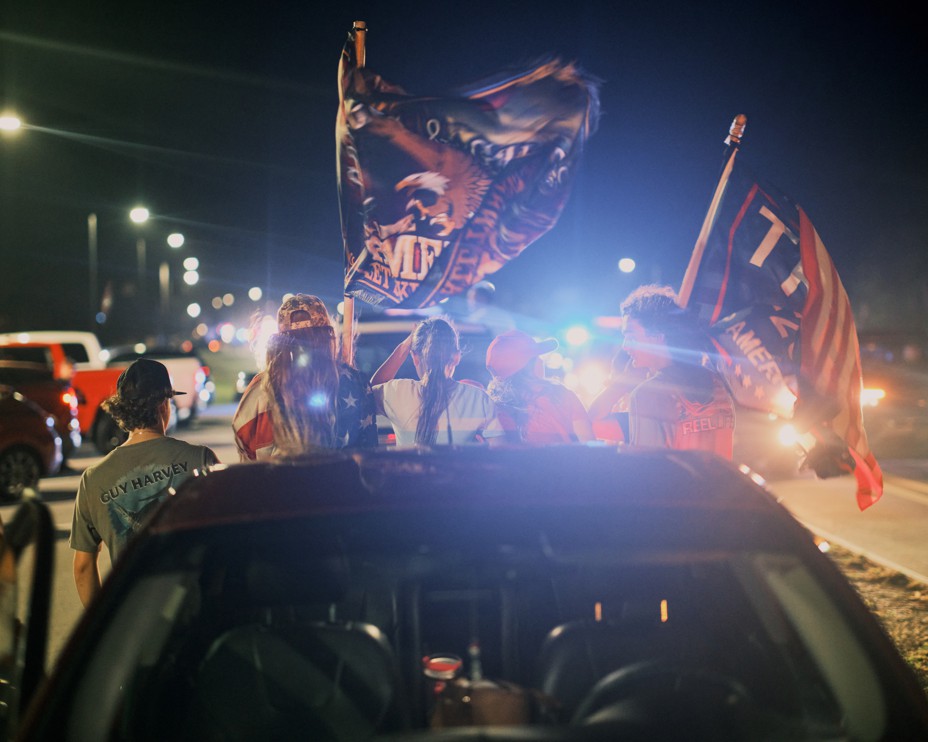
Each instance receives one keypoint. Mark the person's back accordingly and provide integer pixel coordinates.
(305, 399)
(532, 410)
(684, 408)
(128, 484)
(434, 409)
(463, 419)
(116, 496)
(545, 418)
(682, 404)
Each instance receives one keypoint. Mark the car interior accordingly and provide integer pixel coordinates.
(325, 631)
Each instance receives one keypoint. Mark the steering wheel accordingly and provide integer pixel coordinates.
(664, 678)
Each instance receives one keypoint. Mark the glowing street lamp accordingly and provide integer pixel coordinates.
(139, 214)
(175, 240)
(10, 122)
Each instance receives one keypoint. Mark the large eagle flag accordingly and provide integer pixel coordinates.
(438, 192)
(781, 321)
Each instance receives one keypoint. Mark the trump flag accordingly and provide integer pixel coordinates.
(438, 192)
(781, 321)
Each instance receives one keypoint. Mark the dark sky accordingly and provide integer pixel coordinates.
(220, 118)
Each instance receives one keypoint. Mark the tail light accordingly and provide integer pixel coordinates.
(69, 398)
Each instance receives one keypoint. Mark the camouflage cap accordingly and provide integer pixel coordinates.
(313, 306)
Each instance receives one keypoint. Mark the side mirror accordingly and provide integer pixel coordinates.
(23, 644)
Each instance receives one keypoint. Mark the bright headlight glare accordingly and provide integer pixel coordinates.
(871, 397)
(787, 435)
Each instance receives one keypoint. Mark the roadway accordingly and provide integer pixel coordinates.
(890, 533)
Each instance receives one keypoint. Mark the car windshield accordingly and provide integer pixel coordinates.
(355, 625)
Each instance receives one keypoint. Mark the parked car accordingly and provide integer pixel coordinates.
(82, 349)
(187, 370)
(56, 396)
(75, 357)
(563, 593)
(30, 447)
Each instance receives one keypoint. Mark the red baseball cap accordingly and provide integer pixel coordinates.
(513, 351)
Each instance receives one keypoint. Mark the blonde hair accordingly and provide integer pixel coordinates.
(301, 383)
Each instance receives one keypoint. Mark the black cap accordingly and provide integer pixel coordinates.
(145, 379)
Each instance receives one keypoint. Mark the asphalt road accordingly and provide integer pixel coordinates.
(891, 532)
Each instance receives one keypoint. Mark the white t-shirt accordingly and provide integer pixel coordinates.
(470, 412)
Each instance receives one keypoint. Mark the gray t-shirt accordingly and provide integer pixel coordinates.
(116, 496)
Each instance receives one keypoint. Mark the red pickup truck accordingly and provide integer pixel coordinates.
(93, 382)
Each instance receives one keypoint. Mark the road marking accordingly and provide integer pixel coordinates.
(864, 552)
(919, 491)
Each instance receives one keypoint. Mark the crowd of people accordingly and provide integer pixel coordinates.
(661, 393)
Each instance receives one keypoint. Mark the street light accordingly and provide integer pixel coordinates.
(10, 122)
(627, 265)
(139, 215)
(92, 264)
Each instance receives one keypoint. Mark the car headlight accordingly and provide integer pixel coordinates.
(871, 397)
(787, 435)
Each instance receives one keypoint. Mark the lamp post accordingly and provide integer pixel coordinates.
(92, 264)
(139, 215)
(175, 241)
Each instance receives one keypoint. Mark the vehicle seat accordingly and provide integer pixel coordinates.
(318, 681)
(575, 655)
(279, 665)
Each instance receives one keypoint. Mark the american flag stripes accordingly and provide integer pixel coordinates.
(769, 293)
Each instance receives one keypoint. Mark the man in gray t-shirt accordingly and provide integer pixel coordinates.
(116, 496)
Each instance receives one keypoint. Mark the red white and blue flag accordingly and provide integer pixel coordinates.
(438, 192)
(781, 320)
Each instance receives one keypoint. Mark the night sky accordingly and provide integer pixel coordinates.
(219, 117)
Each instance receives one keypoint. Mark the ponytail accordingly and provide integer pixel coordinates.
(435, 342)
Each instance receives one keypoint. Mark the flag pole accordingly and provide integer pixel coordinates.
(732, 141)
(359, 33)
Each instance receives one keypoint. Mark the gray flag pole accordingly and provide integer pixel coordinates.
(359, 32)
(735, 132)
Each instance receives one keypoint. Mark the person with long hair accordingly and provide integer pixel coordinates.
(434, 409)
(533, 410)
(305, 399)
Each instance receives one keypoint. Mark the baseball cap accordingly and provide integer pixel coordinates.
(145, 379)
(513, 350)
(311, 305)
